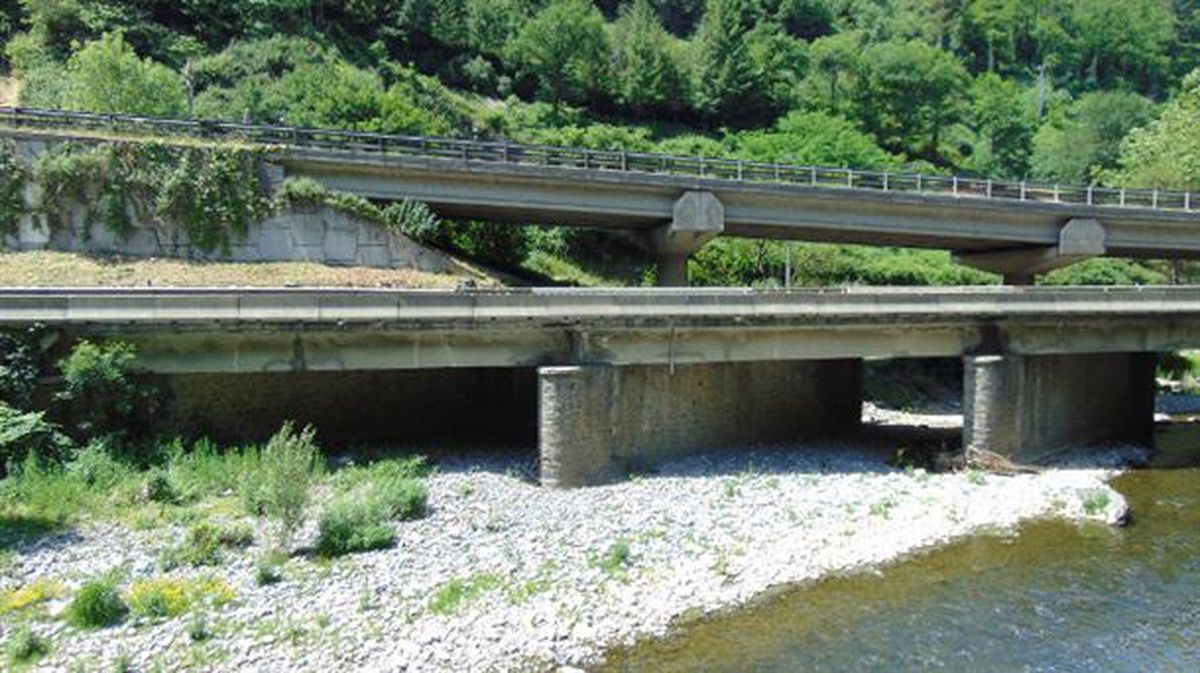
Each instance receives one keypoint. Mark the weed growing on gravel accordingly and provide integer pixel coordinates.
(455, 594)
(198, 629)
(616, 560)
(163, 598)
(976, 477)
(97, 604)
(1096, 502)
(32, 595)
(25, 647)
(269, 568)
(280, 488)
(731, 488)
(122, 664)
(883, 508)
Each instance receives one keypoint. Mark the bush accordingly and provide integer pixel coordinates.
(24, 433)
(400, 497)
(280, 488)
(201, 546)
(25, 646)
(353, 524)
(103, 394)
(156, 486)
(205, 470)
(96, 467)
(268, 569)
(98, 604)
(21, 363)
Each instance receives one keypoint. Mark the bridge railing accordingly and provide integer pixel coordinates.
(704, 168)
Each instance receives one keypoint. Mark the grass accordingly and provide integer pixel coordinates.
(371, 497)
(51, 269)
(351, 525)
(24, 647)
(457, 593)
(97, 604)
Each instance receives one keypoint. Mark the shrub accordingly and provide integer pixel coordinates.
(98, 604)
(353, 524)
(198, 630)
(280, 488)
(96, 467)
(156, 486)
(25, 646)
(21, 363)
(616, 559)
(102, 393)
(24, 433)
(205, 470)
(400, 497)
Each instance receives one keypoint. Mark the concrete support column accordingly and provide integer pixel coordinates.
(1078, 239)
(697, 218)
(1027, 407)
(598, 422)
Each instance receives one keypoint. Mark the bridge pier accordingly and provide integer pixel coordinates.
(697, 218)
(1026, 407)
(599, 422)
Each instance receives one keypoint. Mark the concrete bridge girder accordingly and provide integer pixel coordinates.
(1078, 240)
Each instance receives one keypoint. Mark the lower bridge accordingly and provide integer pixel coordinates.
(615, 380)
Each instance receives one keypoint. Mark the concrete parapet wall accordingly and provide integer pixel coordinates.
(598, 422)
(1028, 407)
(439, 405)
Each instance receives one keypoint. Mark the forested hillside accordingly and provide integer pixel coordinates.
(1094, 91)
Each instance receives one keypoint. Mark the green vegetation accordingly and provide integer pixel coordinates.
(1061, 91)
(25, 647)
(281, 486)
(616, 560)
(1096, 502)
(358, 520)
(163, 598)
(97, 604)
(459, 592)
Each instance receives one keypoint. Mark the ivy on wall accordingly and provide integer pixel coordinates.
(12, 187)
(211, 194)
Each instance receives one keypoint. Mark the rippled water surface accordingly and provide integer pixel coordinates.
(1056, 597)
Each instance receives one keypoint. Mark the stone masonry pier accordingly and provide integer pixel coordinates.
(617, 380)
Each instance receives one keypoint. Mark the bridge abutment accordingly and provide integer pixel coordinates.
(598, 422)
(1026, 407)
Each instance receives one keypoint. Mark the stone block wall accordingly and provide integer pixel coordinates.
(357, 407)
(598, 422)
(1028, 407)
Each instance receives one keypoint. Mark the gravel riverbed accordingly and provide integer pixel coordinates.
(545, 585)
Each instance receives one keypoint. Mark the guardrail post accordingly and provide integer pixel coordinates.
(919, 176)
(465, 156)
(587, 160)
(813, 170)
(1122, 197)
(504, 153)
(701, 166)
(1154, 199)
(885, 182)
(850, 178)
(624, 161)
(989, 189)
(1187, 201)
(741, 170)
(1057, 194)
(954, 185)
(1022, 190)
(778, 178)
(1089, 194)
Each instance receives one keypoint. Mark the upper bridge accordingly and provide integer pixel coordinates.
(676, 204)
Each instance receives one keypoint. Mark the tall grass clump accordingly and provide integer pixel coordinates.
(353, 524)
(280, 488)
(205, 470)
(25, 647)
(98, 604)
(359, 519)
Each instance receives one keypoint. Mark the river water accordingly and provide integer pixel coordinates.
(1053, 597)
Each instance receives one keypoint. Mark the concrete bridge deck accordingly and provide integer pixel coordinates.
(627, 378)
(678, 203)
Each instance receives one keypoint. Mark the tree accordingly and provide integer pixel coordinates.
(727, 85)
(1124, 40)
(1080, 143)
(909, 93)
(833, 72)
(1005, 126)
(990, 26)
(1166, 153)
(812, 138)
(107, 76)
(648, 70)
(564, 49)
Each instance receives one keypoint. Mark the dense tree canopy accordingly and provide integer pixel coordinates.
(1096, 91)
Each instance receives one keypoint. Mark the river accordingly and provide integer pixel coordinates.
(1052, 597)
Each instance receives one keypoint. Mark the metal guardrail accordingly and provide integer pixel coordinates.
(492, 152)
